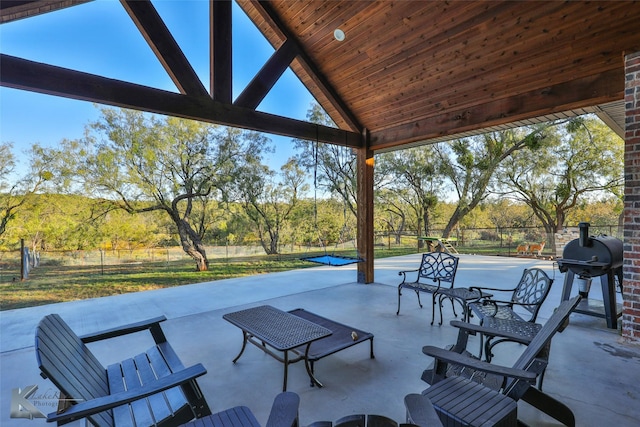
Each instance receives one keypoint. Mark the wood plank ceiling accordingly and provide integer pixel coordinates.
(407, 71)
(417, 70)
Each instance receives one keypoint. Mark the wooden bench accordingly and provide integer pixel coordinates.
(151, 388)
(436, 269)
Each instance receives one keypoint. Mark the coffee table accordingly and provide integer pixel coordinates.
(265, 326)
(298, 334)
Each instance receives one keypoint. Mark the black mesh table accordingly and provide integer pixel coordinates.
(266, 326)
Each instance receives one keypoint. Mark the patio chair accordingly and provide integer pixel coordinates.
(284, 413)
(474, 392)
(436, 269)
(151, 388)
(153, 385)
(500, 315)
(420, 413)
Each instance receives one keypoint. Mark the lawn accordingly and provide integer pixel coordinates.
(58, 282)
(52, 283)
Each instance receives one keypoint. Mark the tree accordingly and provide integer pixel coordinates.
(143, 163)
(14, 194)
(333, 166)
(584, 160)
(412, 175)
(268, 203)
(470, 164)
(389, 202)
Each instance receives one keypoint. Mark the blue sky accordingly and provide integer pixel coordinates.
(99, 37)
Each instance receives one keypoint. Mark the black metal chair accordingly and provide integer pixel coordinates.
(436, 269)
(504, 315)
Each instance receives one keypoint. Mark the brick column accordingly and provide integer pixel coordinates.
(631, 310)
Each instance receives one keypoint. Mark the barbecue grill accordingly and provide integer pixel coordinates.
(589, 257)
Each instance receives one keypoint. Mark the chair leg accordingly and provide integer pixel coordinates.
(549, 406)
(433, 309)
(487, 348)
(453, 308)
(540, 379)
(419, 302)
(399, 294)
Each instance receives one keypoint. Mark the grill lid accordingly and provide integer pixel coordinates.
(590, 256)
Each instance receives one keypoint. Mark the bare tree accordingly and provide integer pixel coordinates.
(142, 163)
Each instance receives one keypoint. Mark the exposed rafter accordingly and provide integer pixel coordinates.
(167, 50)
(20, 73)
(307, 63)
(262, 83)
(194, 101)
(221, 49)
(13, 10)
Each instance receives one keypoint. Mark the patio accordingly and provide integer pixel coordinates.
(590, 369)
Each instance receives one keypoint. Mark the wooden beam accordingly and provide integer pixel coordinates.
(585, 92)
(310, 67)
(364, 163)
(12, 10)
(221, 50)
(267, 77)
(157, 35)
(28, 75)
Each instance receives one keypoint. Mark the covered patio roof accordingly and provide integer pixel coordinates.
(410, 72)
(402, 73)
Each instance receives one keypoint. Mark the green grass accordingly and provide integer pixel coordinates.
(54, 283)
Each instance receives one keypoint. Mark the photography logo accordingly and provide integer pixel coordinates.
(23, 402)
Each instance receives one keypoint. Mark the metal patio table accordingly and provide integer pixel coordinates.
(266, 326)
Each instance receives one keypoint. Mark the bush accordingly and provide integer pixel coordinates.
(489, 235)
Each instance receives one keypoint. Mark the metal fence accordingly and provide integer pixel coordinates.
(504, 241)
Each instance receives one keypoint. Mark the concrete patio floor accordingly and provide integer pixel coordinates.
(591, 370)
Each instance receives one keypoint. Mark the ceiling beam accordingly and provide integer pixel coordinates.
(593, 90)
(157, 35)
(13, 10)
(307, 63)
(220, 25)
(267, 77)
(33, 76)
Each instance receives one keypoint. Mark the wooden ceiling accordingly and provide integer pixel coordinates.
(410, 71)
(415, 70)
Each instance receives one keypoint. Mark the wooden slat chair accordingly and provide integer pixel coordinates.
(527, 297)
(113, 395)
(284, 413)
(362, 420)
(461, 396)
(420, 411)
(150, 389)
(436, 269)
